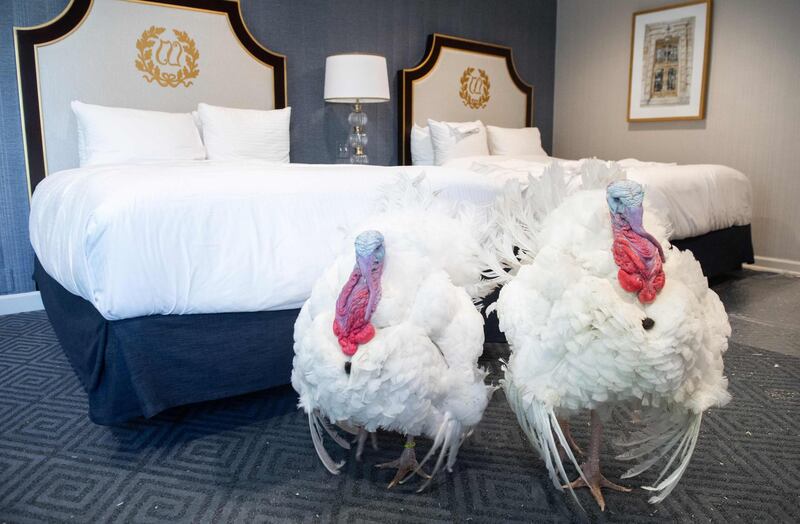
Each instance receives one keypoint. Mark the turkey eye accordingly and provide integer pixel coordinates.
(648, 323)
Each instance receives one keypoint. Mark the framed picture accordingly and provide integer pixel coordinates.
(669, 62)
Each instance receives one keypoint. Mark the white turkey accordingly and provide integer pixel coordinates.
(599, 315)
(390, 337)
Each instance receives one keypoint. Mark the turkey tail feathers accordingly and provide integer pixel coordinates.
(316, 425)
(404, 193)
(540, 425)
(598, 174)
(518, 214)
(678, 436)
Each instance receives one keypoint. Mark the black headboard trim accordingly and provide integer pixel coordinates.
(28, 38)
(436, 42)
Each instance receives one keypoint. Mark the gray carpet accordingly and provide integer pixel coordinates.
(250, 459)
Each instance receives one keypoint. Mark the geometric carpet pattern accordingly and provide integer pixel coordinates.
(250, 458)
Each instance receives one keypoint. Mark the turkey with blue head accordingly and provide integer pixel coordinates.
(390, 337)
(601, 318)
(360, 295)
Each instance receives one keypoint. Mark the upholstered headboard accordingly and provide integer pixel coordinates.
(164, 55)
(462, 80)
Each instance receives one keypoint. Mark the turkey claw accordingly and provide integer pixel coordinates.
(596, 482)
(407, 466)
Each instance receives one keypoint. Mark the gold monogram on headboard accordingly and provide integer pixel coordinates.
(172, 62)
(475, 87)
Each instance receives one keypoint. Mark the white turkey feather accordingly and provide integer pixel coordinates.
(316, 438)
(539, 423)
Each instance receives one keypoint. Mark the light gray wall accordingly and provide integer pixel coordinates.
(753, 106)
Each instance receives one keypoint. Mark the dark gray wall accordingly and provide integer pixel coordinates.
(307, 32)
(16, 255)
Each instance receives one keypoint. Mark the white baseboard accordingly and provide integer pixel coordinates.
(20, 303)
(775, 265)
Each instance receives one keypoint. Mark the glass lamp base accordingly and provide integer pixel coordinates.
(358, 136)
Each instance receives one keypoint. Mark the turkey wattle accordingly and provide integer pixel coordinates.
(637, 253)
(360, 295)
(602, 317)
(390, 337)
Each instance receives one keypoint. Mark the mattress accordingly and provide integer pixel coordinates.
(694, 199)
(210, 237)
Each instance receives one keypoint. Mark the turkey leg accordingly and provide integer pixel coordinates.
(406, 465)
(361, 438)
(591, 468)
(567, 432)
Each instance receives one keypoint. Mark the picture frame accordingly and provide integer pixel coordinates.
(669, 62)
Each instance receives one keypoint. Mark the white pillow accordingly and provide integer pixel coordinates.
(235, 134)
(111, 135)
(457, 139)
(421, 146)
(197, 122)
(511, 141)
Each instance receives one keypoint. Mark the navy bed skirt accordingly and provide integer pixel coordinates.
(142, 366)
(720, 251)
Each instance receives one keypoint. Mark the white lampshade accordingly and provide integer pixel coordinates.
(356, 78)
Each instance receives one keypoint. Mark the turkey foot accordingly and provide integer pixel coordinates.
(406, 465)
(591, 468)
(361, 438)
(565, 429)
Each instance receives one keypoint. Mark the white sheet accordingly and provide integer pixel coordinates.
(696, 199)
(208, 237)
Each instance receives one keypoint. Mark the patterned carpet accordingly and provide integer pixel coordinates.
(250, 459)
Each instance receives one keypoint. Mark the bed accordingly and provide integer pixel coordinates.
(174, 282)
(708, 206)
(154, 55)
(190, 294)
(217, 236)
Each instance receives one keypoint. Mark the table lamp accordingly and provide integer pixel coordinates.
(356, 79)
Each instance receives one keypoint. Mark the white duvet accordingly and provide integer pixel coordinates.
(695, 199)
(209, 237)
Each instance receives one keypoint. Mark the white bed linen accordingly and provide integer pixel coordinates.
(696, 199)
(209, 237)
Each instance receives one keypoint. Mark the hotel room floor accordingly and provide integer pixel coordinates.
(251, 459)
